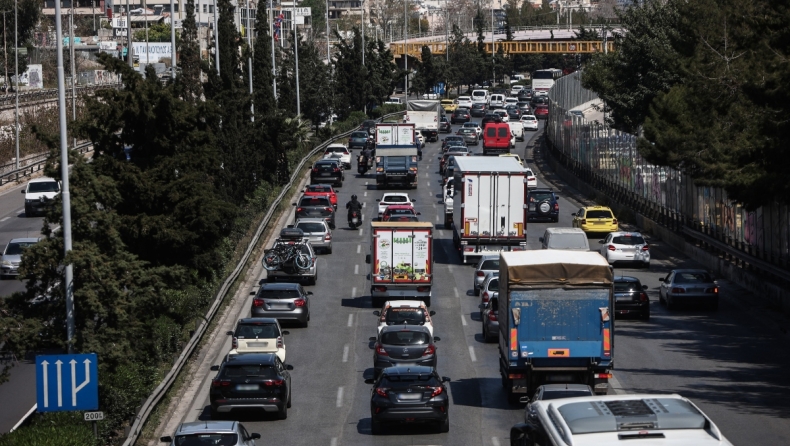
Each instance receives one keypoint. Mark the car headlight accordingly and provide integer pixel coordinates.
(6, 263)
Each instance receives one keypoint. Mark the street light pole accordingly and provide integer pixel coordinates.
(249, 63)
(73, 72)
(128, 35)
(173, 58)
(5, 53)
(406, 53)
(216, 35)
(296, 57)
(16, 76)
(328, 59)
(493, 60)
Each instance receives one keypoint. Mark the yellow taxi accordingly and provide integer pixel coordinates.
(513, 155)
(595, 219)
(449, 105)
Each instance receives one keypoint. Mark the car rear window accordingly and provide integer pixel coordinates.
(477, 106)
(314, 201)
(335, 149)
(395, 199)
(240, 370)
(493, 285)
(256, 330)
(568, 241)
(628, 240)
(598, 214)
(408, 316)
(400, 212)
(309, 227)
(491, 132)
(278, 294)
(540, 196)
(490, 265)
(627, 287)
(693, 278)
(205, 439)
(326, 166)
(359, 135)
(326, 189)
(502, 132)
(406, 381)
(405, 338)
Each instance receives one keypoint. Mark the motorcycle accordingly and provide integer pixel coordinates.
(354, 220)
(362, 164)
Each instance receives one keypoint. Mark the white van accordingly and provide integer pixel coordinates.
(568, 239)
(497, 101)
(517, 130)
(479, 96)
(658, 420)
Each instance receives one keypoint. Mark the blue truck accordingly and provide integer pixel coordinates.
(555, 323)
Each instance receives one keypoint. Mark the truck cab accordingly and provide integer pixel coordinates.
(396, 167)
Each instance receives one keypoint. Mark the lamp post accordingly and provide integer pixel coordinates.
(328, 59)
(173, 58)
(16, 76)
(249, 63)
(128, 35)
(5, 53)
(406, 52)
(73, 71)
(296, 56)
(216, 35)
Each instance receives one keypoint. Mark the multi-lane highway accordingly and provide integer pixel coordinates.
(732, 362)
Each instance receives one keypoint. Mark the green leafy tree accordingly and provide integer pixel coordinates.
(382, 71)
(430, 71)
(157, 32)
(28, 17)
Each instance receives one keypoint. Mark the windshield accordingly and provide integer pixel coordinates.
(258, 371)
(405, 316)
(14, 249)
(405, 381)
(628, 240)
(47, 186)
(314, 201)
(693, 277)
(478, 106)
(405, 338)
(395, 199)
(252, 331)
(464, 98)
(478, 94)
(309, 227)
(540, 196)
(278, 294)
(326, 165)
(206, 440)
(568, 241)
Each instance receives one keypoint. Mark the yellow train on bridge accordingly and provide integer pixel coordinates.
(512, 47)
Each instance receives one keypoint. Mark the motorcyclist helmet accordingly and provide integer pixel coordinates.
(354, 197)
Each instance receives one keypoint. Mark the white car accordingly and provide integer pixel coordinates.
(530, 122)
(39, 194)
(516, 89)
(502, 114)
(258, 335)
(339, 151)
(626, 247)
(430, 96)
(393, 198)
(473, 125)
(465, 102)
(532, 180)
(511, 101)
(517, 130)
(405, 312)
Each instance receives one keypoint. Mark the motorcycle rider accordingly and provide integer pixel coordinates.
(368, 154)
(419, 148)
(352, 206)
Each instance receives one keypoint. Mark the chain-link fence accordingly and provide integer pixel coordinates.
(608, 159)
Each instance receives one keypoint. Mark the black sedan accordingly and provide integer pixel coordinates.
(409, 394)
(460, 116)
(446, 141)
(630, 297)
(445, 126)
(327, 171)
(403, 345)
(252, 381)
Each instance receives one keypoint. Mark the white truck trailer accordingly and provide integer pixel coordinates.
(401, 261)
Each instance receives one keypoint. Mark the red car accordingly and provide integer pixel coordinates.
(314, 190)
(542, 111)
(400, 212)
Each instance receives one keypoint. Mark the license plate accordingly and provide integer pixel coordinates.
(696, 290)
(257, 344)
(325, 174)
(409, 396)
(599, 222)
(247, 387)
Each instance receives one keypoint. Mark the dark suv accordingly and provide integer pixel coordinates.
(630, 297)
(460, 116)
(478, 110)
(253, 381)
(444, 125)
(490, 117)
(327, 171)
(543, 205)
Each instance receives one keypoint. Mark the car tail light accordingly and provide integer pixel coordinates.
(469, 249)
(423, 289)
(518, 248)
(234, 344)
(382, 391)
(299, 302)
(611, 248)
(436, 391)
(643, 297)
(516, 376)
(429, 350)
(220, 383)
(492, 317)
(678, 290)
(280, 343)
(614, 221)
(533, 179)
(257, 302)
(274, 382)
(481, 274)
(584, 221)
(714, 290)
(486, 297)
(328, 237)
(556, 206)
(380, 350)
(299, 209)
(330, 209)
(603, 376)
(645, 248)
(335, 169)
(315, 169)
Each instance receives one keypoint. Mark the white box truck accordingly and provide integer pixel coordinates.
(425, 115)
(391, 134)
(401, 261)
(489, 206)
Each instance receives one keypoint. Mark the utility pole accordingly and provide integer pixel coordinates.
(5, 53)
(493, 52)
(249, 63)
(128, 35)
(406, 53)
(296, 57)
(271, 33)
(16, 76)
(64, 172)
(328, 59)
(73, 72)
(216, 35)
(173, 61)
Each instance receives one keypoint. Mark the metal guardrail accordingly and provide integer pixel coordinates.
(441, 34)
(160, 390)
(9, 100)
(37, 165)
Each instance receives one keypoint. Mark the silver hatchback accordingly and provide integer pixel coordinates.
(230, 433)
(487, 264)
(12, 255)
(317, 231)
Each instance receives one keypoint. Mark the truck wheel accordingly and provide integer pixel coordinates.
(447, 224)
(513, 398)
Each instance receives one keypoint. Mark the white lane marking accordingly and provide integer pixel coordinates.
(55, 229)
(434, 205)
(360, 231)
(356, 269)
(426, 175)
(366, 183)
(351, 318)
(455, 290)
(333, 442)
(463, 320)
(345, 353)
(354, 292)
(4, 219)
(339, 397)
(363, 204)
(359, 248)
(365, 194)
(450, 267)
(472, 353)
(495, 441)
(437, 217)
(615, 385)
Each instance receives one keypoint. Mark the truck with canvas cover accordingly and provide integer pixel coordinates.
(489, 214)
(401, 261)
(555, 323)
(425, 116)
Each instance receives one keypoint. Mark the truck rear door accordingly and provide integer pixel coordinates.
(402, 256)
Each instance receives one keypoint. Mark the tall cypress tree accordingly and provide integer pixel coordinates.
(350, 95)
(188, 82)
(263, 96)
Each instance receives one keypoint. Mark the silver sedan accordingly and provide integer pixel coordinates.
(688, 286)
(470, 136)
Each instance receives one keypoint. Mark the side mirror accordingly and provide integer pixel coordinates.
(367, 258)
(378, 199)
(660, 279)
(288, 367)
(445, 379)
(437, 339)
(419, 213)
(573, 214)
(377, 313)
(293, 204)
(309, 293)
(229, 333)
(286, 332)
(166, 439)
(644, 287)
(372, 339)
(413, 200)
(523, 399)
(601, 242)
(23, 191)
(540, 239)
(214, 368)
(255, 436)
(432, 313)
(370, 381)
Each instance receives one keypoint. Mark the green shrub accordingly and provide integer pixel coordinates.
(52, 429)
